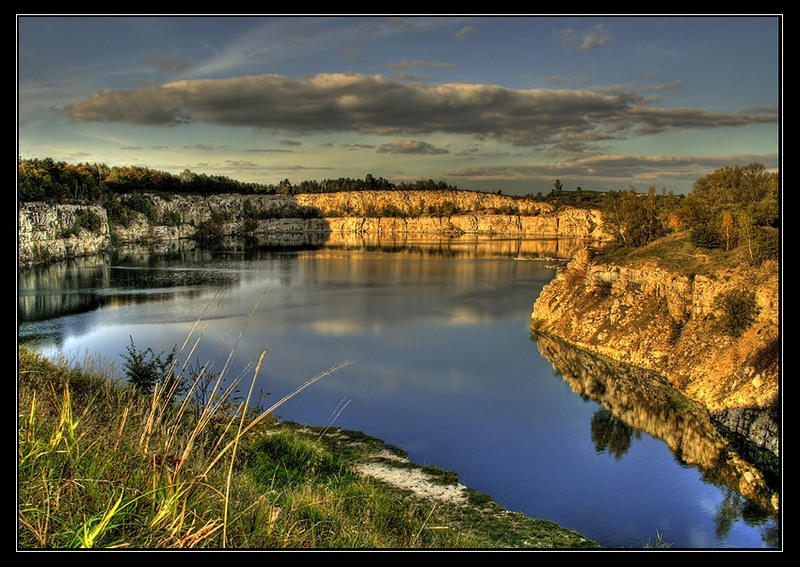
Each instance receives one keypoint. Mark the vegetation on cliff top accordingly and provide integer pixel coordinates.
(53, 181)
(730, 218)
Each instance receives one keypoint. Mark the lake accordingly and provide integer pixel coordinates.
(432, 352)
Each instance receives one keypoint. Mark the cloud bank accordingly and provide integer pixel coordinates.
(571, 120)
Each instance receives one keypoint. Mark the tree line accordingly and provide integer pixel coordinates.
(59, 182)
(730, 207)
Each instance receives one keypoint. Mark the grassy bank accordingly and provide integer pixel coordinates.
(102, 465)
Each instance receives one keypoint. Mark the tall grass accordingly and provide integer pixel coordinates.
(197, 462)
(101, 464)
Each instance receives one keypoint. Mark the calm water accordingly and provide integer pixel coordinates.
(440, 361)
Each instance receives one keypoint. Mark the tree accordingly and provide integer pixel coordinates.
(728, 227)
(635, 218)
(733, 206)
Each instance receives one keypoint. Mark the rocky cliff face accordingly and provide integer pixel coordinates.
(45, 232)
(43, 228)
(669, 323)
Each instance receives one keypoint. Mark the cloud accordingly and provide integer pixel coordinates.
(374, 104)
(465, 31)
(599, 36)
(417, 63)
(410, 147)
(619, 169)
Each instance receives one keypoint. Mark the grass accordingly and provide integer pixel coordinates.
(102, 465)
(674, 252)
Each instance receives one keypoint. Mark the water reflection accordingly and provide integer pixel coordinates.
(137, 275)
(445, 368)
(635, 401)
(83, 285)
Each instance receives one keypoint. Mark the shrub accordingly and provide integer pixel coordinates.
(601, 287)
(144, 369)
(140, 203)
(739, 310)
(88, 219)
(767, 356)
(704, 236)
(574, 277)
(208, 232)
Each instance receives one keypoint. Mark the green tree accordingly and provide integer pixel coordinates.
(732, 205)
(635, 218)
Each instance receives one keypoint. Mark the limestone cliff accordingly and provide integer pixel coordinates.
(670, 323)
(45, 231)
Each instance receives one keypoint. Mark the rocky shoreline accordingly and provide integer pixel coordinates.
(668, 323)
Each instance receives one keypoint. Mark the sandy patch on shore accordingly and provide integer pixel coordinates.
(413, 479)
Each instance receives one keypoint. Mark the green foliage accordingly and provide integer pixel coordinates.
(444, 209)
(508, 209)
(172, 218)
(704, 236)
(208, 231)
(636, 219)
(85, 219)
(142, 204)
(732, 210)
(392, 211)
(145, 369)
(739, 310)
(733, 206)
(89, 220)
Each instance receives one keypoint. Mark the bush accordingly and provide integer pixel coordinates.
(144, 369)
(140, 203)
(88, 219)
(208, 232)
(703, 236)
(739, 310)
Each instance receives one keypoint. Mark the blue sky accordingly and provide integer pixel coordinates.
(482, 102)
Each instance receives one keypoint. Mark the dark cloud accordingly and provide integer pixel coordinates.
(615, 171)
(378, 105)
(410, 147)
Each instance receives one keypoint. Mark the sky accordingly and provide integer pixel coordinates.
(484, 102)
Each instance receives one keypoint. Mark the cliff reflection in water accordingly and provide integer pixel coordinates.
(635, 401)
(183, 269)
(49, 293)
